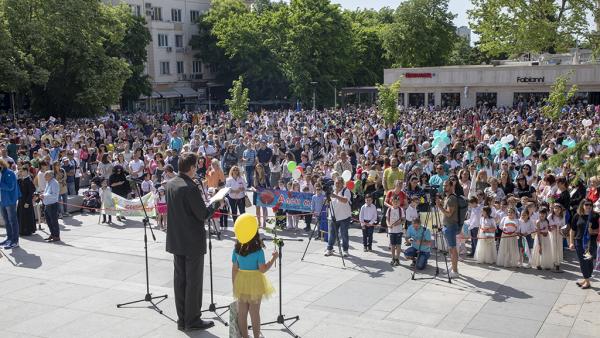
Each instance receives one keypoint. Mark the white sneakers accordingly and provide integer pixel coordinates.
(346, 254)
(453, 274)
(328, 252)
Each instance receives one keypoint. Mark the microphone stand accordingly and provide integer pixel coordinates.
(213, 306)
(281, 317)
(148, 297)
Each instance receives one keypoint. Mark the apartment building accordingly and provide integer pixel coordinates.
(179, 80)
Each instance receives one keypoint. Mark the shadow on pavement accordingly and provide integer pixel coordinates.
(23, 259)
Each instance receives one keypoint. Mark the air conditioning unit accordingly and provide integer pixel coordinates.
(169, 49)
(148, 5)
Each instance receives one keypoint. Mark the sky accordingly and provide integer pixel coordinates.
(458, 7)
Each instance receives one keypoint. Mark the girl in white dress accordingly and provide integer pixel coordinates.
(556, 220)
(541, 257)
(508, 254)
(486, 244)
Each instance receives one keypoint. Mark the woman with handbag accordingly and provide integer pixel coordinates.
(583, 237)
(250, 285)
(237, 195)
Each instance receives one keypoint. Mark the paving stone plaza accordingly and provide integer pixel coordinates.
(71, 290)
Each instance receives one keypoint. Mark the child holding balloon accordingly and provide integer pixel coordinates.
(250, 285)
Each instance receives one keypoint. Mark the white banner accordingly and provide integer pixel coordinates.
(133, 207)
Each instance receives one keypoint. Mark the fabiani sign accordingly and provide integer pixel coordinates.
(528, 79)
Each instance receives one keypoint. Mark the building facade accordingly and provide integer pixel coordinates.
(499, 85)
(179, 80)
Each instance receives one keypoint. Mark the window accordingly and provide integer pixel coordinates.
(487, 100)
(136, 10)
(176, 15)
(212, 68)
(179, 67)
(431, 99)
(157, 14)
(416, 99)
(178, 41)
(196, 67)
(164, 68)
(194, 15)
(163, 40)
(450, 100)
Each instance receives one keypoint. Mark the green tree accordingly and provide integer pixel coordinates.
(514, 27)
(387, 102)
(422, 34)
(133, 49)
(70, 41)
(316, 46)
(559, 96)
(238, 103)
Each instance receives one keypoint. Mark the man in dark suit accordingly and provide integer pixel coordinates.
(186, 240)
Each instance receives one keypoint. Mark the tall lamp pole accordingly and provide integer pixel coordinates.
(314, 84)
(334, 93)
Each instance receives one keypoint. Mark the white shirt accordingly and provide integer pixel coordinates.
(411, 213)
(41, 178)
(136, 165)
(234, 184)
(526, 227)
(393, 215)
(368, 214)
(474, 217)
(341, 210)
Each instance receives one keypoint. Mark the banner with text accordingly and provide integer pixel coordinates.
(287, 200)
(125, 207)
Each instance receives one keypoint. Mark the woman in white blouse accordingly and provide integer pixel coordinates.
(237, 184)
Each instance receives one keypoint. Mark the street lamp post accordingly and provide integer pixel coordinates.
(334, 94)
(314, 84)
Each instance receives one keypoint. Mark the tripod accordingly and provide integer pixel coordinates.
(281, 317)
(148, 297)
(435, 218)
(327, 204)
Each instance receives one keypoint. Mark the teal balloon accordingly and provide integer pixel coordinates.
(565, 142)
(526, 151)
(571, 144)
(446, 140)
(443, 133)
(436, 134)
(435, 142)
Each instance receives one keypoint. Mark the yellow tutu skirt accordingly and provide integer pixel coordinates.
(251, 286)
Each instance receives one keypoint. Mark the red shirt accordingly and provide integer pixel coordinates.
(391, 194)
(593, 194)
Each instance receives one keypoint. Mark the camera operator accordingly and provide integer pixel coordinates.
(341, 214)
(449, 209)
(420, 241)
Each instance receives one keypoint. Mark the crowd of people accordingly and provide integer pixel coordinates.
(519, 212)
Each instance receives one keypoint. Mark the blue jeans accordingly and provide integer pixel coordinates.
(249, 175)
(63, 198)
(421, 257)
(9, 213)
(341, 227)
(71, 188)
(51, 213)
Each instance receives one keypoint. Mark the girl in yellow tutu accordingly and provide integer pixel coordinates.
(250, 284)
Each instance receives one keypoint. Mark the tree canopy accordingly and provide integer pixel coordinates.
(71, 57)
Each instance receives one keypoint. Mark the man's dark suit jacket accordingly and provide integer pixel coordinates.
(186, 213)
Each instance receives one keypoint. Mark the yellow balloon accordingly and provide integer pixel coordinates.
(245, 228)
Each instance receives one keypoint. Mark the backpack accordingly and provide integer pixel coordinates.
(463, 207)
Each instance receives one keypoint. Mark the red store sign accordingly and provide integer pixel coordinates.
(418, 75)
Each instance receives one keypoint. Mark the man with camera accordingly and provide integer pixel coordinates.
(420, 244)
(449, 210)
(341, 215)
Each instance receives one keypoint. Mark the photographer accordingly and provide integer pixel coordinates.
(420, 241)
(341, 214)
(449, 209)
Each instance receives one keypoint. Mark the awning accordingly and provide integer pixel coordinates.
(186, 92)
(169, 94)
(154, 95)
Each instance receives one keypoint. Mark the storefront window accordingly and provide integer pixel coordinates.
(450, 100)
(416, 99)
(580, 98)
(431, 99)
(488, 100)
(401, 99)
(527, 100)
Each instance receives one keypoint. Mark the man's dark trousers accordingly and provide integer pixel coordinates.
(188, 287)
